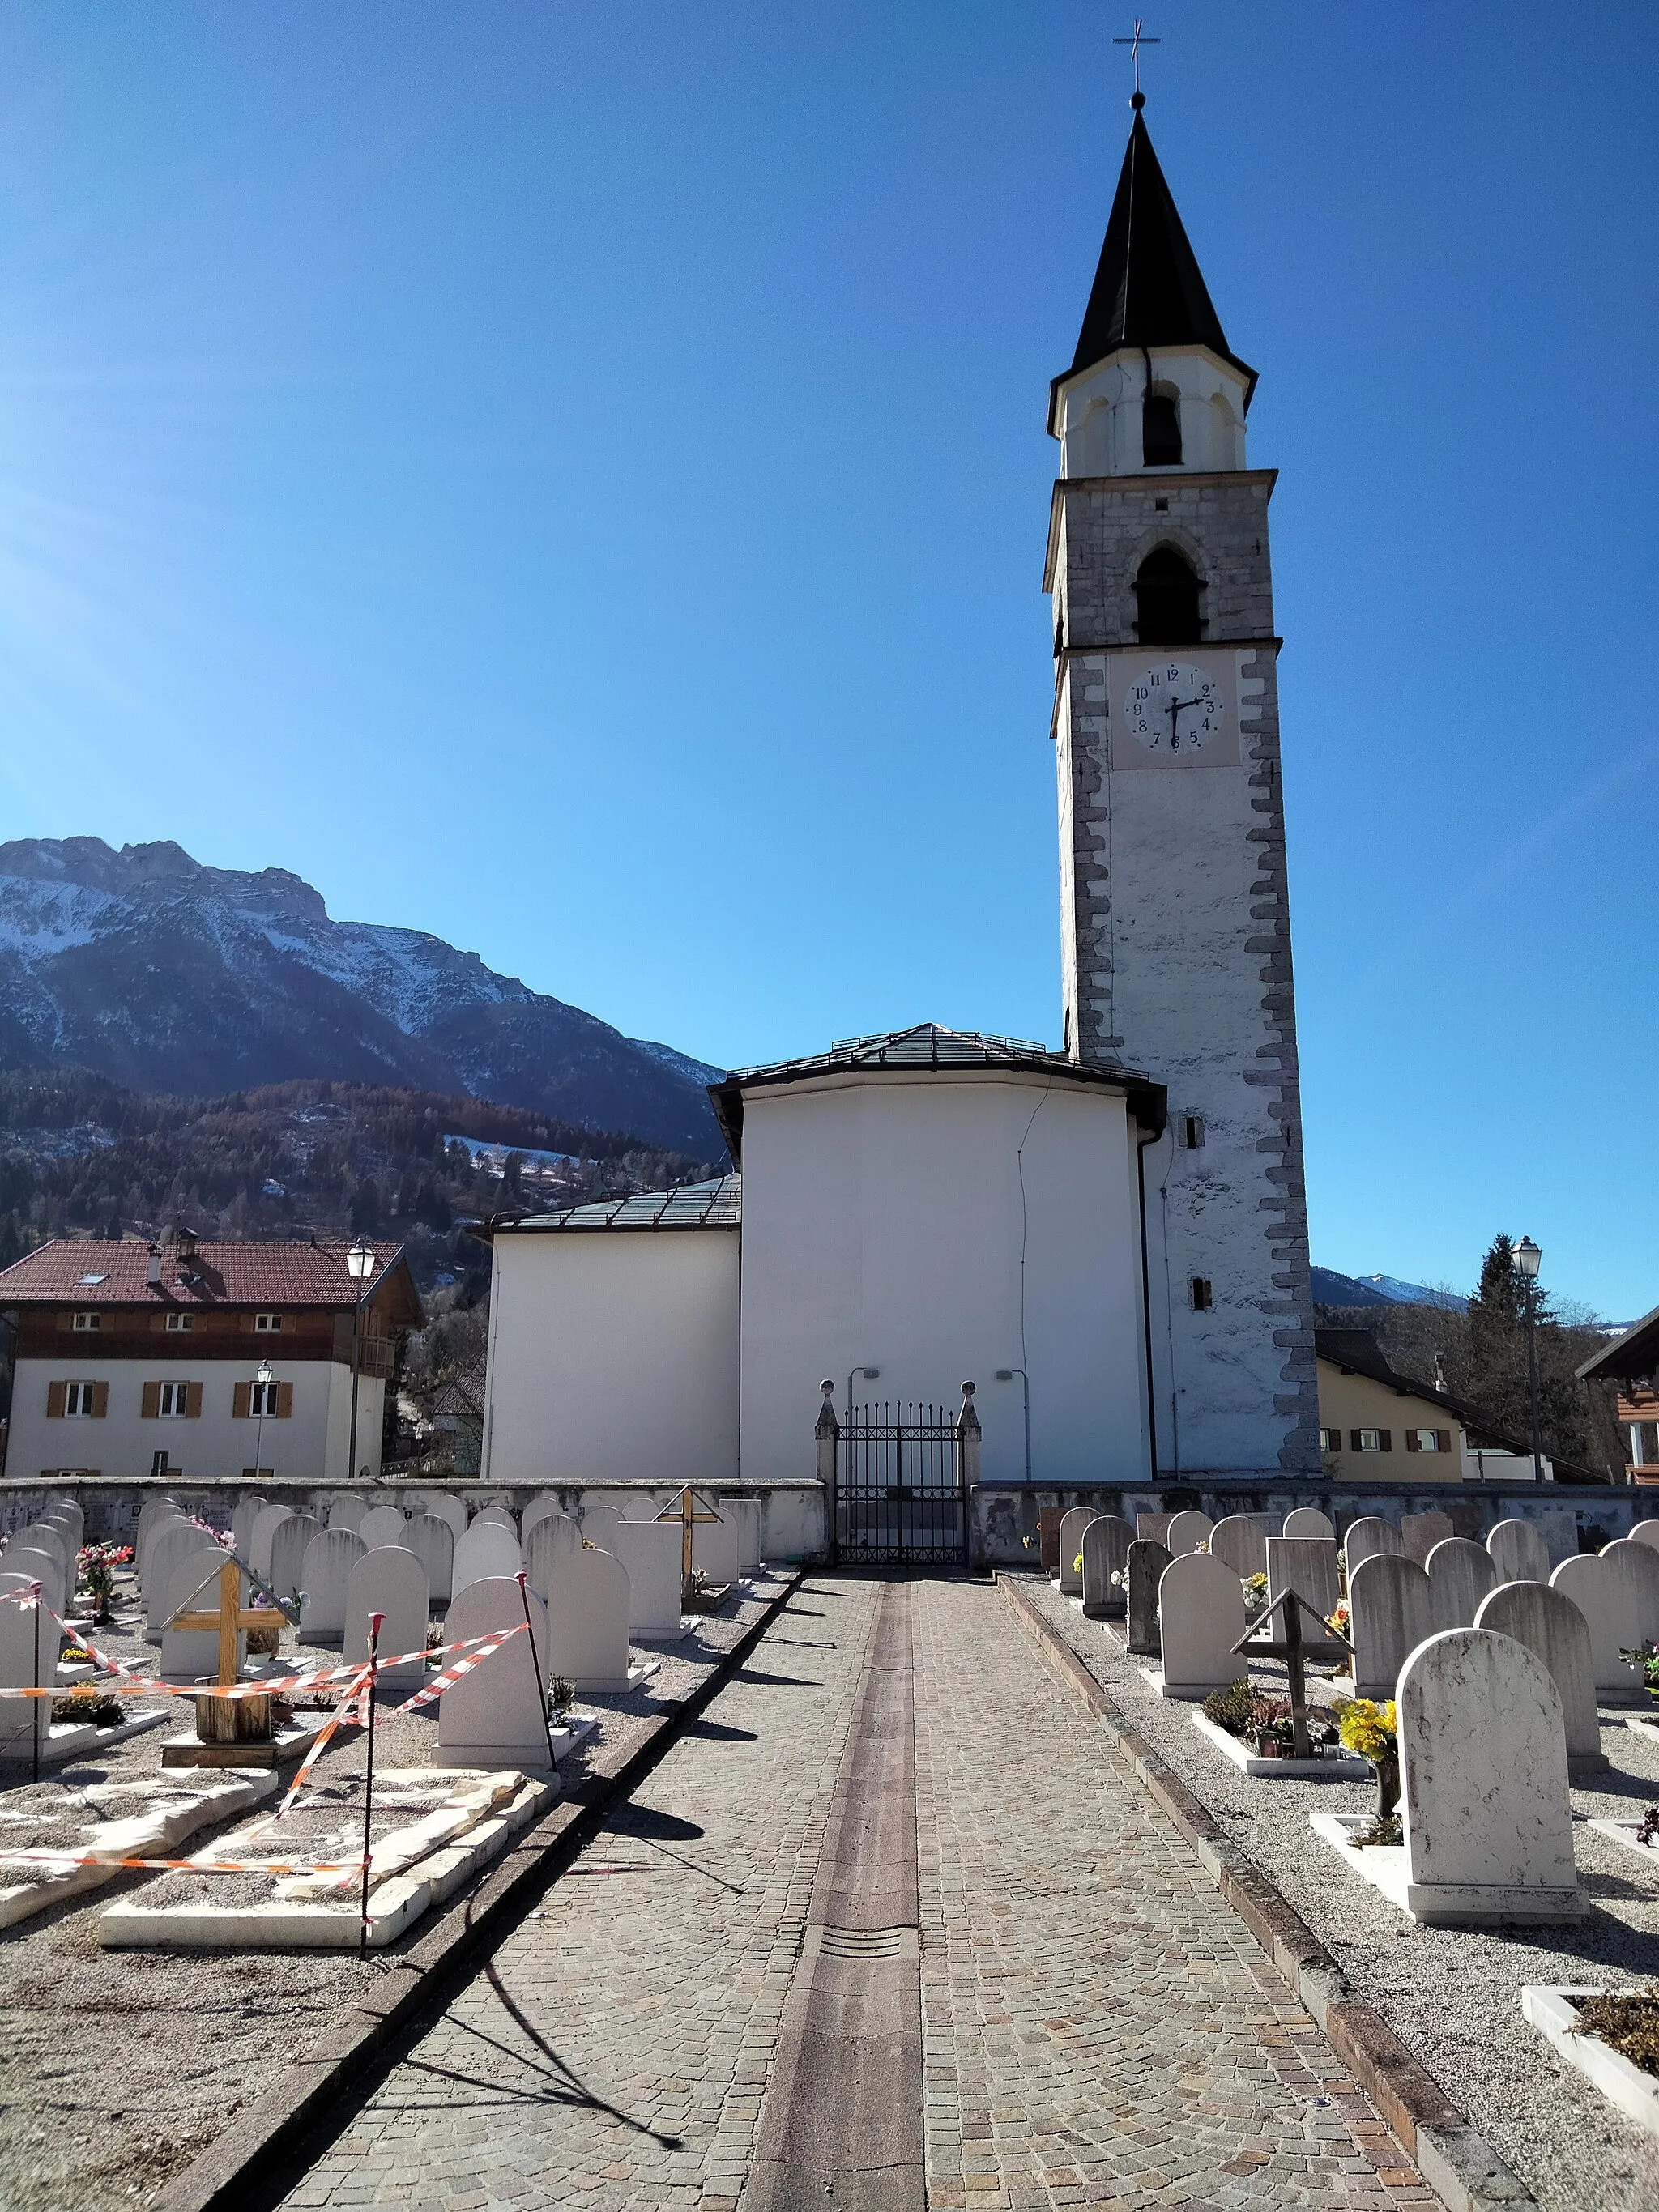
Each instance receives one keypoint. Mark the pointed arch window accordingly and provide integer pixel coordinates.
(1166, 599)
(1160, 430)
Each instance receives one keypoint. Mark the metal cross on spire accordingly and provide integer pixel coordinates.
(1134, 43)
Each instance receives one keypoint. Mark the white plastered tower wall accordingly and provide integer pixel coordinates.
(1175, 924)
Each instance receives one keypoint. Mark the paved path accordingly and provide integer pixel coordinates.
(723, 2002)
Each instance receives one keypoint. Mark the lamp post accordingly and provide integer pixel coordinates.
(262, 1384)
(1007, 1375)
(1524, 1258)
(870, 1374)
(359, 1265)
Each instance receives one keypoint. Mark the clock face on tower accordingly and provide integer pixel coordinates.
(1174, 709)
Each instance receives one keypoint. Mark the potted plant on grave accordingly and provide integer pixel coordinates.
(1371, 1729)
(560, 1696)
(87, 1702)
(1271, 1733)
(1254, 1588)
(1646, 1656)
(1231, 1708)
(95, 1566)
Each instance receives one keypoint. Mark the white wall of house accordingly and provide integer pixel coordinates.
(613, 1357)
(310, 1443)
(939, 1228)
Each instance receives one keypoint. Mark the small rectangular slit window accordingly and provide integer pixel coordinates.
(1192, 1132)
(1203, 1293)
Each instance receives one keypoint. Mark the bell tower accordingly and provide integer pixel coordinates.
(1175, 914)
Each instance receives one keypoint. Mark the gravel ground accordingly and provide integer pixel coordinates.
(120, 2068)
(1454, 1995)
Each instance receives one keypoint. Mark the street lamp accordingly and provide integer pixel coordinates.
(359, 1265)
(1007, 1375)
(1525, 1258)
(262, 1384)
(870, 1374)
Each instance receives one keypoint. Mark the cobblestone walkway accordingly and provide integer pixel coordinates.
(1097, 2027)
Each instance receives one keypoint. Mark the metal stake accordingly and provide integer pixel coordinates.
(34, 1733)
(536, 1662)
(375, 1620)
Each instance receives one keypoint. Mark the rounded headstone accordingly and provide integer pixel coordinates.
(1550, 1624)
(650, 1550)
(1646, 1532)
(1106, 1542)
(1584, 1579)
(1187, 1531)
(289, 1547)
(347, 1512)
(1200, 1618)
(30, 1564)
(1073, 1522)
(1243, 1543)
(264, 1531)
(192, 1655)
(553, 1535)
(1307, 1521)
(382, 1524)
(486, 1551)
(389, 1580)
(1369, 1537)
(1632, 1572)
(173, 1541)
(537, 1510)
(432, 1541)
(1459, 1574)
(443, 1506)
(243, 1521)
(500, 1516)
(1518, 1553)
(1306, 1565)
(327, 1569)
(599, 1521)
(588, 1620)
(496, 1714)
(1391, 1612)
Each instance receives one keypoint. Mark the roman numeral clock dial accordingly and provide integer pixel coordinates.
(1174, 709)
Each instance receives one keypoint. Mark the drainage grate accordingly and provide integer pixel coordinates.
(865, 1942)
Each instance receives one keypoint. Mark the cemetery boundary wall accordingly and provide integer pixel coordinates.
(1463, 2170)
(267, 2150)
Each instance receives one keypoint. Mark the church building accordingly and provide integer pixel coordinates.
(1107, 1240)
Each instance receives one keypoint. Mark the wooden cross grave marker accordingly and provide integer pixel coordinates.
(1292, 1649)
(231, 1617)
(686, 1514)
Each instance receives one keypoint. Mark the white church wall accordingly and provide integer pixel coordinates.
(613, 1358)
(1098, 418)
(884, 1225)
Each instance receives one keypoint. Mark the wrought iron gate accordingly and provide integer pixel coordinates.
(901, 1497)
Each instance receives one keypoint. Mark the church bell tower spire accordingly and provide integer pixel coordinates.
(1176, 921)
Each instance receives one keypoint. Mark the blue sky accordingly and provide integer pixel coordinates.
(575, 480)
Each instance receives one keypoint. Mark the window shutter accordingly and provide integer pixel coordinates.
(241, 1399)
(152, 1406)
(284, 1400)
(1353, 1440)
(244, 1322)
(55, 1400)
(1443, 1440)
(192, 1401)
(1412, 1443)
(1385, 1440)
(100, 1401)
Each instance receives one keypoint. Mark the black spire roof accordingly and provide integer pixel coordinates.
(1148, 290)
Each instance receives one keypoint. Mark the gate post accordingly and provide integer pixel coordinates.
(968, 1440)
(827, 1435)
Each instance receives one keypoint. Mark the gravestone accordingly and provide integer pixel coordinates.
(289, 1546)
(1306, 1565)
(152, 1511)
(1550, 1624)
(432, 1541)
(28, 1565)
(380, 1525)
(259, 1542)
(557, 1534)
(444, 1505)
(1632, 1584)
(1420, 1532)
(25, 1721)
(329, 1557)
(1306, 1523)
(347, 1513)
(1459, 1574)
(242, 1521)
(1391, 1612)
(169, 1543)
(587, 1621)
(713, 1548)
(486, 1551)
(141, 1559)
(1106, 1542)
(501, 1515)
(1518, 1553)
(389, 1580)
(1370, 1537)
(1187, 1531)
(1584, 1579)
(744, 1513)
(65, 1525)
(1072, 1526)
(41, 1536)
(1483, 1760)
(59, 1504)
(1048, 1531)
(496, 1714)
(1645, 1532)
(1243, 1543)
(537, 1510)
(650, 1550)
(1146, 1561)
(599, 1522)
(192, 1655)
(1201, 1617)
(1153, 1528)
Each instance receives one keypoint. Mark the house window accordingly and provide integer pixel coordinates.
(1428, 1440)
(262, 1401)
(1166, 599)
(1330, 1440)
(1192, 1132)
(267, 1324)
(1160, 431)
(172, 1400)
(1372, 1440)
(1203, 1293)
(178, 1323)
(78, 1400)
(84, 1322)
(1644, 1444)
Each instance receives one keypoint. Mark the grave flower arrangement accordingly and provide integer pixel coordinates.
(94, 1571)
(1255, 1595)
(87, 1702)
(1372, 1730)
(1646, 1656)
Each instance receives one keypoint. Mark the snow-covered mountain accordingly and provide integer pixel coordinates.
(1332, 1289)
(164, 975)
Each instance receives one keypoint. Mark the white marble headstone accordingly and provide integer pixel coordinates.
(553, 1536)
(1549, 1624)
(249, 1506)
(152, 1511)
(650, 1550)
(1369, 1537)
(444, 1505)
(289, 1543)
(1307, 1521)
(599, 1522)
(1187, 1531)
(1459, 1574)
(392, 1581)
(1420, 1532)
(1201, 1617)
(41, 1536)
(714, 1547)
(28, 1564)
(587, 1619)
(495, 1715)
(1645, 1532)
(1518, 1553)
(347, 1513)
(259, 1540)
(500, 1514)
(24, 1720)
(382, 1524)
(1306, 1565)
(745, 1513)
(1073, 1522)
(1632, 1572)
(1584, 1579)
(192, 1655)
(486, 1551)
(1243, 1543)
(1106, 1542)
(329, 1557)
(432, 1541)
(537, 1510)
(170, 1542)
(58, 1502)
(1391, 1612)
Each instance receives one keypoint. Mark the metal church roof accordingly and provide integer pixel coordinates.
(716, 1205)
